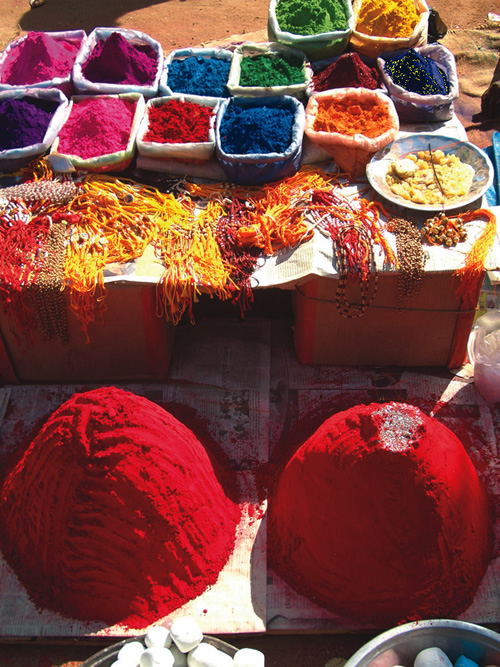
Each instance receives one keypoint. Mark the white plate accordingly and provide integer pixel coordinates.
(376, 169)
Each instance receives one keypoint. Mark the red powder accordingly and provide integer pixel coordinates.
(97, 126)
(124, 516)
(380, 517)
(348, 70)
(39, 57)
(177, 122)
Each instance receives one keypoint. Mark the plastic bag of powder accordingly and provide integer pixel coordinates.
(412, 107)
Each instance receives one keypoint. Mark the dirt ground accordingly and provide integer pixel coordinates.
(473, 39)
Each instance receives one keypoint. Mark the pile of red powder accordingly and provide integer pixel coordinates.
(125, 515)
(380, 518)
(346, 71)
(97, 126)
(178, 122)
(39, 57)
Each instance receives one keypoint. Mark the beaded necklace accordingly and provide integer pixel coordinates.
(411, 259)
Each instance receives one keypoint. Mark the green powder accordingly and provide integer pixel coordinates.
(312, 17)
(269, 70)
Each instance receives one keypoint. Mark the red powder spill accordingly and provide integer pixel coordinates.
(124, 515)
(97, 126)
(39, 57)
(380, 517)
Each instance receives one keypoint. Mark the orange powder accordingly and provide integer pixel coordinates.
(368, 118)
(387, 18)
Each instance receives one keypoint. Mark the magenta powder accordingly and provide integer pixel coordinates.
(39, 57)
(116, 60)
(97, 126)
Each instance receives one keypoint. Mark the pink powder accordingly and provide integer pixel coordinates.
(97, 126)
(39, 57)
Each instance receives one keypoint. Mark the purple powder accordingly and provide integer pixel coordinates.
(39, 57)
(116, 60)
(24, 121)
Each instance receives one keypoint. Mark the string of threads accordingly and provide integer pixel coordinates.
(269, 70)
(417, 73)
(178, 121)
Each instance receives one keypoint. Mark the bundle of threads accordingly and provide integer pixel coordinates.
(178, 121)
(444, 230)
(117, 60)
(271, 70)
(97, 126)
(370, 118)
(256, 129)
(199, 75)
(346, 71)
(387, 18)
(24, 121)
(417, 73)
(38, 57)
(311, 18)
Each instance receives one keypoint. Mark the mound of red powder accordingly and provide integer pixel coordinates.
(380, 517)
(116, 512)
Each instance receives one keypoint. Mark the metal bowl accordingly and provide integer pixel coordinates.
(107, 656)
(455, 638)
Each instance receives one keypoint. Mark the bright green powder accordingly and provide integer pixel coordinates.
(269, 70)
(311, 17)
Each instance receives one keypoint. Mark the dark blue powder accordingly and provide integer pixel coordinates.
(24, 121)
(256, 130)
(197, 75)
(417, 73)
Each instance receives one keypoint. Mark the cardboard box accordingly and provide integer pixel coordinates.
(129, 343)
(429, 330)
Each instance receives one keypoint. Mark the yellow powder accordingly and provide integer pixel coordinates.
(387, 18)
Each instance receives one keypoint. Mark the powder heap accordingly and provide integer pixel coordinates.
(177, 122)
(267, 70)
(259, 129)
(197, 75)
(387, 18)
(97, 126)
(117, 60)
(417, 73)
(380, 517)
(39, 57)
(314, 17)
(24, 121)
(369, 118)
(123, 512)
(347, 71)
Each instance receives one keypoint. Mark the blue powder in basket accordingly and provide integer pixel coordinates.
(256, 130)
(417, 73)
(197, 75)
(24, 121)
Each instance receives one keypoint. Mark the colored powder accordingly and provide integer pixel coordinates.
(177, 122)
(39, 57)
(196, 75)
(256, 130)
(380, 517)
(97, 126)
(269, 70)
(24, 121)
(311, 18)
(387, 18)
(124, 513)
(348, 71)
(418, 74)
(370, 119)
(118, 61)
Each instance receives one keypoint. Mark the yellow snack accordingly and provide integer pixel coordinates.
(436, 178)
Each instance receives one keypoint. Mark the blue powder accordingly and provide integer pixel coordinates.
(196, 75)
(417, 74)
(256, 130)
